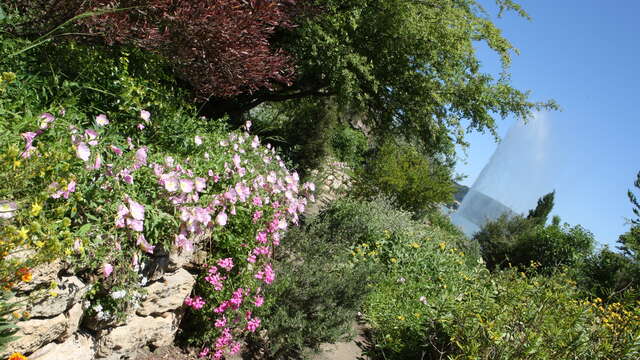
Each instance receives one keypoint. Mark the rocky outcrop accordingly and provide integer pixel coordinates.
(56, 328)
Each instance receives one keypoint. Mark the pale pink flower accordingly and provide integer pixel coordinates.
(140, 126)
(145, 115)
(197, 140)
(221, 218)
(141, 157)
(136, 209)
(83, 152)
(170, 182)
(247, 125)
(186, 185)
(46, 120)
(201, 184)
(98, 163)
(102, 120)
(107, 269)
(144, 245)
(136, 225)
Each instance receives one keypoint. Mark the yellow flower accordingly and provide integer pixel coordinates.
(394, 260)
(401, 318)
(16, 164)
(22, 233)
(414, 245)
(442, 245)
(17, 356)
(53, 293)
(35, 209)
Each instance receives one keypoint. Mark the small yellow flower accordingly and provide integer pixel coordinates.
(394, 260)
(414, 245)
(35, 209)
(442, 245)
(401, 318)
(53, 293)
(16, 164)
(22, 233)
(26, 277)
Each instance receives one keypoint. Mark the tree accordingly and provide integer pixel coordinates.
(540, 214)
(630, 241)
(221, 48)
(409, 66)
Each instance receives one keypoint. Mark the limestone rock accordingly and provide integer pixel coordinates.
(35, 333)
(78, 347)
(168, 294)
(123, 341)
(74, 317)
(70, 290)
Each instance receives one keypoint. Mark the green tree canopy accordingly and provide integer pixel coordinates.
(409, 65)
(630, 241)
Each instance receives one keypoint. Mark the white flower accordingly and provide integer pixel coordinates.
(118, 294)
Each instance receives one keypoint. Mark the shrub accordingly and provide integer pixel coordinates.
(518, 241)
(415, 181)
(318, 294)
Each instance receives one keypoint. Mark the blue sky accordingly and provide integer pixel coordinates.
(585, 55)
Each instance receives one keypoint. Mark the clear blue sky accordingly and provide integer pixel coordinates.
(586, 55)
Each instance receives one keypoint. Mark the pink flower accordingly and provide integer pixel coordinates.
(258, 301)
(170, 182)
(251, 258)
(144, 245)
(140, 126)
(198, 140)
(255, 143)
(201, 184)
(136, 225)
(137, 210)
(145, 115)
(116, 150)
(107, 269)
(267, 274)
(83, 152)
(235, 348)
(141, 157)
(46, 120)
(204, 353)
(98, 163)
(186, 185)
(226, 264)
(261, 237)
(221, 219)
(253, 324)
(247, 125)
(222, 322)
(102, 120)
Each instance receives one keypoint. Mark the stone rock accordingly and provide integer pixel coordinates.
(168, 294)
(35, 333)
(70, 290)
(122, 342)
(74, 318)
(78, 347)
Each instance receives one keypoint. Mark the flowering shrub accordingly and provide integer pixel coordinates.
(108, 203)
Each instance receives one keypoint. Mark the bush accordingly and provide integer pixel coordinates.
(415, 181)
(317, 296)
(609, 275)
(518, 241)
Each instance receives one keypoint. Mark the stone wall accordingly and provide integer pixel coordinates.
(57, 328)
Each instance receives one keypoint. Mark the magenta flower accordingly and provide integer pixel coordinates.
(226, 263)
(83, 152)
(204, 353)
(222, 322)
(258, 301)
(107, 269)
(253, 324)
(261, 237)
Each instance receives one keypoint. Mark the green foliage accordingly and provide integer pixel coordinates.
(318, 294)
(609, 275)
(7, 321)
(540, 213)
(630, 241)
(417, 182)
(409, 67)
(349, 145)
(518, 241)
